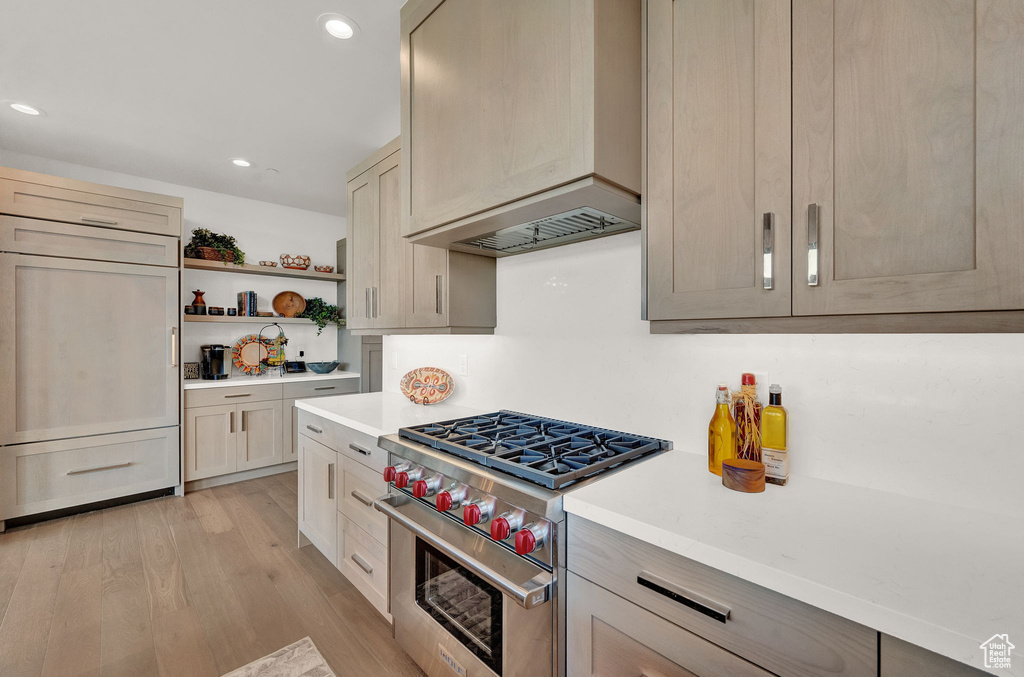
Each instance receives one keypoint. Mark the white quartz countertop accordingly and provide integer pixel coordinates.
(379, 414)
(942, 577)
(238, 379)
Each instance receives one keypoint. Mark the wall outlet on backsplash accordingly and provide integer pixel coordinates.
(463, 365)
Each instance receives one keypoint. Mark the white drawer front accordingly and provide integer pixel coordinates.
(321, 388)
(52, 475)
(364, 561)
(358, 487)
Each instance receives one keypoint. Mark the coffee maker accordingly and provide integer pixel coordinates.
(216, 363)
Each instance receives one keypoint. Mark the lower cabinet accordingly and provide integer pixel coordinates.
(902, 659)
(339, 479)
(260, 440)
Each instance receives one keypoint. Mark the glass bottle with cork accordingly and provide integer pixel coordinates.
(721, 432)
(747, 412)
(774, 449)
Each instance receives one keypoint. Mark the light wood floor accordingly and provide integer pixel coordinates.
(194, 587)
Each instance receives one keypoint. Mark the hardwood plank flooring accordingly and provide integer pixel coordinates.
(194, 586)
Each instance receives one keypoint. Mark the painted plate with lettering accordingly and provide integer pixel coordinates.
(427, 385)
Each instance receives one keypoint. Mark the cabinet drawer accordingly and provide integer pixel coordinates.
(774, 631)
(358, 487)
(46, 476)
(338, 386)
(608, 635)
(364, 562)
(49, 238)
(354, 444)
(209, 397)
(73, 206)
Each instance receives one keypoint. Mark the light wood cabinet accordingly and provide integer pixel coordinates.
(903, 206)
(517, 111)
(211, 448)
(902, 659)
(318, 503)
(260, 434)
(394, 286)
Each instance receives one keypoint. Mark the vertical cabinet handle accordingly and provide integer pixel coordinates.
(374, 297)
(243, 420)
(813, 214)
(231, 422)
(330, 481)
(768, 246)
(440, 294)
(174, 346)
(367, 303)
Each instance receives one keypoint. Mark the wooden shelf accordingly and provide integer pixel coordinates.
(249, 269)
(246, 320)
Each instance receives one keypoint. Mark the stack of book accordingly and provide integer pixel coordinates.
(247, 304)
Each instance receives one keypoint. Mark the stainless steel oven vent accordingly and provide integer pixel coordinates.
(584, 223)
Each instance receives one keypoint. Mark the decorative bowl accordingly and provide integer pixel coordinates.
(324, 269)
(322, 367)
(288, 304)
(269, 264)
(295, 262)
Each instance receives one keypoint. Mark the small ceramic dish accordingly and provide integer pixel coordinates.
(269, 264)
(296, 262)
(324, 269)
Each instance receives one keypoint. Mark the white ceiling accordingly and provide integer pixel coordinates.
(171, 90)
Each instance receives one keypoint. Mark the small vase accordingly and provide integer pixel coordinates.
(198, 300)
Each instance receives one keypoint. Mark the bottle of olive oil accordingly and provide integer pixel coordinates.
(774, 450)
(721, 432)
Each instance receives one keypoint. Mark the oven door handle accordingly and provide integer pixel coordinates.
(528, 595)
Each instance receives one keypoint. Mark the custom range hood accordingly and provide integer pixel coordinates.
(521, 123)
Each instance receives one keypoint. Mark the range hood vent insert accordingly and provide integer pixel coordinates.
(575, 225)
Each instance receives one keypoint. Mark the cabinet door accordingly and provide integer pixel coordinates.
(361, 275)
(908, 123)
(289, 430)
(318, 503)
(609, 636)
(210, 446)
(718, 181)
(259, 434)
(901, 659)
(389, 296)
(427, 302)
(87, 348)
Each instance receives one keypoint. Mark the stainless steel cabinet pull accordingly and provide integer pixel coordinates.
(440, 294)
(174, 346)
(330, 480)
(318, 431)
(93, 219)
(228, 397)
(768, 245)
(325, 388)
(368, 302)
(362, 499)
(361, 563)
(362, 451)
(231, 416)
(374, 297)
(243, 420)
(82, 471)
(813, 214)
(688, 598)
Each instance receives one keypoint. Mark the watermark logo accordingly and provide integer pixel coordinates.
(997, 650)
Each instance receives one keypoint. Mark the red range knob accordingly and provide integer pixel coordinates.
(419, 488)
(471, 514)
(402, 480)
(525, 542)
(444, 501)
(389, 473)
(500, 529)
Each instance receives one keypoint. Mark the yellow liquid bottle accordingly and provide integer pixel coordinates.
(721, 432)
(774, 447)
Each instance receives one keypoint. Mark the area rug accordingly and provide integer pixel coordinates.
(300, 659)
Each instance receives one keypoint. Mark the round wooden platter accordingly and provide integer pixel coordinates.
(740, 474)
(288, 304)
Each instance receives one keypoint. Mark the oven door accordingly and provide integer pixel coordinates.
(462, 602)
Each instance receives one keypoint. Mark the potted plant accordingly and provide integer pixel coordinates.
(205, 244)
(321, 313)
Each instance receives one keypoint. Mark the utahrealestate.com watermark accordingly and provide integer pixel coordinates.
(997, 650)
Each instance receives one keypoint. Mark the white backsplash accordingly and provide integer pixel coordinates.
(927, 415)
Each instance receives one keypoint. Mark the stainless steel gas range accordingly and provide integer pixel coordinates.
(477, 542)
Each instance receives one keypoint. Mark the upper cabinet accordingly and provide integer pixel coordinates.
(899, 160)
(394, 286)
(517, 111)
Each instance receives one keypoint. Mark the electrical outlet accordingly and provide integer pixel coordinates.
(463, 365)
(394, 360)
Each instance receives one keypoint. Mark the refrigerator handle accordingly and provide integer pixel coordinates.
(174, 346)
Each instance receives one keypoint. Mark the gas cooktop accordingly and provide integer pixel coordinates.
(545, 451)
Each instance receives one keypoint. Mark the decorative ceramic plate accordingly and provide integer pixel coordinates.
(247, 353)
(427, 385)
(288, 304)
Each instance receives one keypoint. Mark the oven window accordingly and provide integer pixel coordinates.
(464, 604)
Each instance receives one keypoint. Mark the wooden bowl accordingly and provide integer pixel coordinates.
(740, 474)
(288, 304)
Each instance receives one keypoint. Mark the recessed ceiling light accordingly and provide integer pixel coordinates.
(239, 162)
(26, 109)
(338, 25)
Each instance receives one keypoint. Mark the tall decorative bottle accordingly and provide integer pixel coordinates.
(721, 432)
(775, 450)
(747, 411)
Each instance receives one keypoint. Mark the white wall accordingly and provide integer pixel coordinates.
(926, 415)
(263, 231)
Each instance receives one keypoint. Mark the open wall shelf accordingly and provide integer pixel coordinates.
(247, 320)
(249, 269)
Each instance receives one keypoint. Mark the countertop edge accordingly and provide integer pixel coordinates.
(352, 423)
(245, 381)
